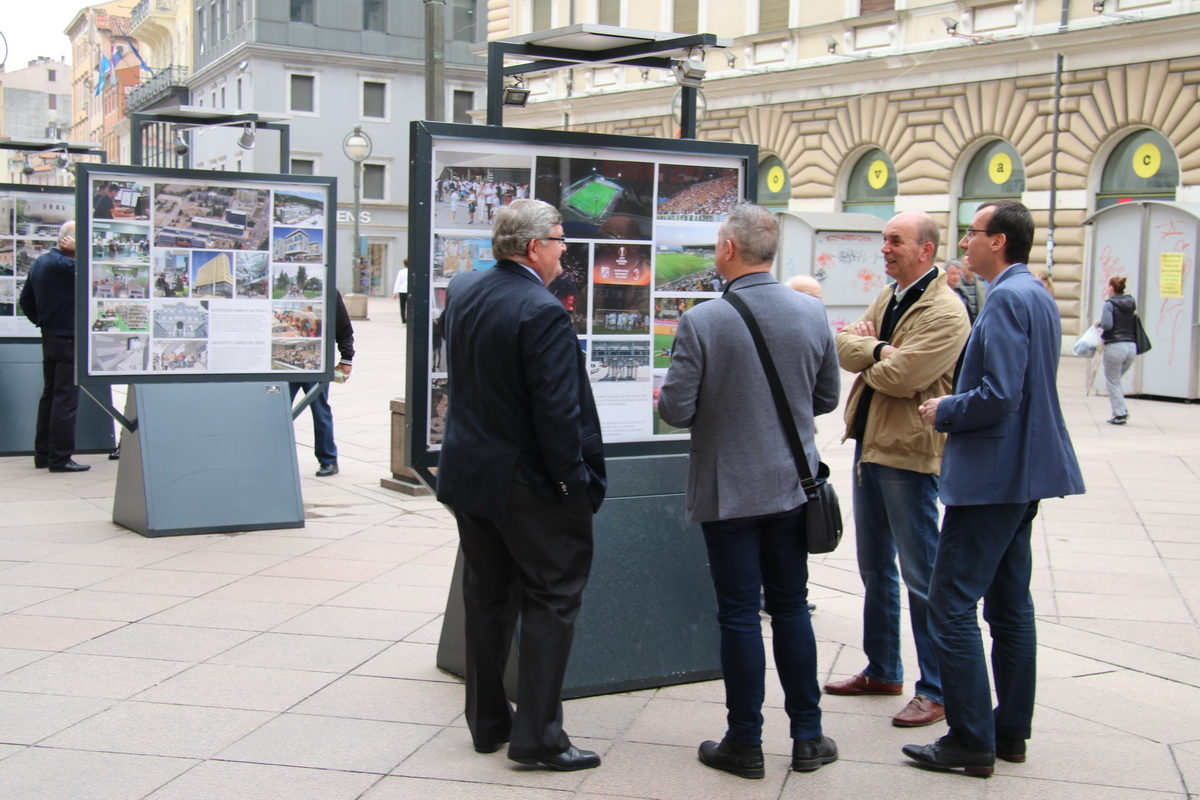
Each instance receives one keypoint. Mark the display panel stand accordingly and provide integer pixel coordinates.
(649, 615)
(208, 458)
(20, 391)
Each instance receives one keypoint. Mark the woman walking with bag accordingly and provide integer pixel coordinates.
(1118, 321)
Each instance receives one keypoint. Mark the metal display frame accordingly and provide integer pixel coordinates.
(89, 382)
(424, 134)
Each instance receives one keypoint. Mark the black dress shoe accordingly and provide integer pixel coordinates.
(743, 760)
(1010, 750)
(115, 455)
(326, 470)
(40, 463)
(947, 753)
(71, 466)
(810, 754)
(568, 760)
(489, 746)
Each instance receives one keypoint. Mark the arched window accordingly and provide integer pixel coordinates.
(1142, 167)
(872, 186)
(774, 184)
(995, 173)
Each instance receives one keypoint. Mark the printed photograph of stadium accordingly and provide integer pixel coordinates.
(251, 274)
(172, 272)
(685, 259)
(667, 311)
(469, 188)
(297, 282)
(571, 287)
(696, 194)
(118, 352)
(300, 209)
(113, 315)
(661, 428)
(619, 360)
(212, 274)
(211, 217)
(454, 254)
(599, 199)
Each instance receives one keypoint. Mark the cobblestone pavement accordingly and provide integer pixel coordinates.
(300, 663)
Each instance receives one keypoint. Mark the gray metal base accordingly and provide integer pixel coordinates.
(208, 458)
(20, 390)
(649, 615)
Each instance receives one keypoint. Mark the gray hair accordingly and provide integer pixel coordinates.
(67, 231)
(755, 231)
(519, 223)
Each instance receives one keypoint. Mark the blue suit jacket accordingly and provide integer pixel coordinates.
(520, 404)
(1007, 440)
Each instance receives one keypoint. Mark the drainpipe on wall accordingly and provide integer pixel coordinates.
(1063, 20)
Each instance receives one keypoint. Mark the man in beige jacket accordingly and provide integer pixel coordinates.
(903, 351)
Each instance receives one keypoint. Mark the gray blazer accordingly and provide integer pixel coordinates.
(740, 464)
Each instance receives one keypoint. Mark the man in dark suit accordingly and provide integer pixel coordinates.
(48, 300)
(1007, 449)
(744, 488)
(522, 467)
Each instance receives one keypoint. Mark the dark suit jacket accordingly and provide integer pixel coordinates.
(1008, 442)
(520, 405)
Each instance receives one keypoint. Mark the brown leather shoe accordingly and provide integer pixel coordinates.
(919, 712)
(861, 684)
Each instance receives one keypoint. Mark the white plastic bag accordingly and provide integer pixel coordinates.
(1088, 342)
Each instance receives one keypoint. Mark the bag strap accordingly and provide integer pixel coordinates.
(780, 397)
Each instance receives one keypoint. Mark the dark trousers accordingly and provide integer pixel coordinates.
(404, 307)
(744, 555)
(984, 552)
(324, 446)
(535, 564)
(54, 441)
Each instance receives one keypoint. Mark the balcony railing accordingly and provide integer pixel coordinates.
(171, 81)
(145, 7)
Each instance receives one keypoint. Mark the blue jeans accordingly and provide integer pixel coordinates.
(322, 417)
(984, 553)
(895, 512)
(745, 555)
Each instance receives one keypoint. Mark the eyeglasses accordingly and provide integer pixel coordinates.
(561, 239)
(973, 231)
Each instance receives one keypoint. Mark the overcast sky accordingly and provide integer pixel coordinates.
(36, 29)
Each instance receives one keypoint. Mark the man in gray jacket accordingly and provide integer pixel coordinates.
(743, 486)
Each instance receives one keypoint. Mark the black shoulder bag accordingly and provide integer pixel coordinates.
(822, 511)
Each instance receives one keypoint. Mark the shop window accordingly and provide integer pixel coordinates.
(996, 172)
(871, 188)
(1142, 167)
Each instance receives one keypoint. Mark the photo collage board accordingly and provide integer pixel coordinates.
(206, 277)
(29, 225)
(641, 230)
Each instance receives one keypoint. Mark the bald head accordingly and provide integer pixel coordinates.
(66, 237)
(805, 284)
(910, 240)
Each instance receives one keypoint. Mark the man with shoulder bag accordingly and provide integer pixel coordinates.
(744, 485)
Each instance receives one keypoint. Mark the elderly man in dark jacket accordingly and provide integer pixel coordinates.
(48, 301)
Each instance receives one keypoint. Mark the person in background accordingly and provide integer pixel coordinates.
(954, 273)
(48, 301)
(400, 290)
(806, 284)
(1120, 344)
(324, 445)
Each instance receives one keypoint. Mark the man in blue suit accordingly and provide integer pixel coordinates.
(522, 466)
(1007, 449)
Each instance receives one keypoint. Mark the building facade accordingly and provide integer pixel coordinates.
(888, 105)
(104, 68)
(323, 67)
(35, 103)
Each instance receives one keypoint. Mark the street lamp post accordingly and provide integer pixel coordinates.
(357, 147)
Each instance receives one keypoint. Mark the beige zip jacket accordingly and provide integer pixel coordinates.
(929, 338)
